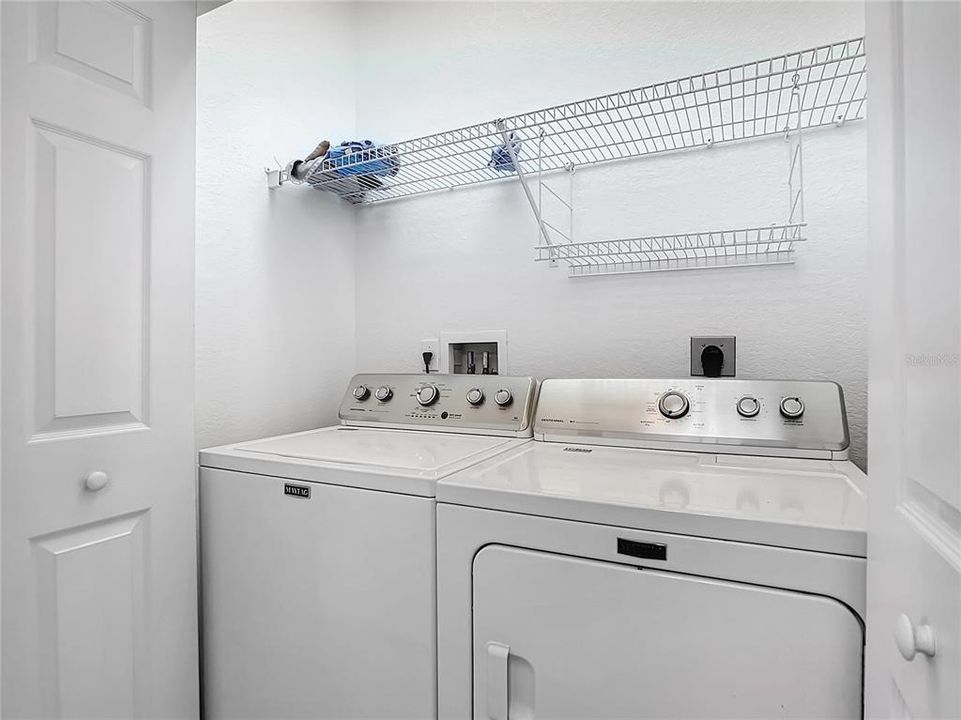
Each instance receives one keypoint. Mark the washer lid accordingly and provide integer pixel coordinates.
(406, 451)
(817, 505)
(360, 457)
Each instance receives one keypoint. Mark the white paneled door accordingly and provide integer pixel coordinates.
(98, 488)
(914, 566)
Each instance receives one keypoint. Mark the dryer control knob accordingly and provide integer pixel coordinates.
(792, 407)
(361, 392)
(428, 395)
(748, 406)
(475, 396)
(503, 397)
(383, 393)
(673, 404)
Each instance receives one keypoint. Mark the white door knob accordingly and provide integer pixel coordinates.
(96, 480)
(913, 640)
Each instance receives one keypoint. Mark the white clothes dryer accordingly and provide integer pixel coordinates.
(317, 549)
(663, 549)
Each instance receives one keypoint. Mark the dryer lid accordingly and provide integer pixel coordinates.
(817, 505)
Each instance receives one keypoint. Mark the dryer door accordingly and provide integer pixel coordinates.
(560, 637)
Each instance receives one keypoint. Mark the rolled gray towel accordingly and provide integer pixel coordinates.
(319, 151)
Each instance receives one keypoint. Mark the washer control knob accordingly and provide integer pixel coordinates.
(792, 407)
(383, 393)
(503, 397)
(361, 392)
(748, 406)
(475, 396)
(673, 404)
(428, 395)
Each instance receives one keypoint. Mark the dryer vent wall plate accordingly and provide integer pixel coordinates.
(713, 356)
(478, 352)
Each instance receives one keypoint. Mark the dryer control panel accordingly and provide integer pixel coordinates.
(788, 418)
(484, 404)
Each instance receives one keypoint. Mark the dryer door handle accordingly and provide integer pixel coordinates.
(498, 658)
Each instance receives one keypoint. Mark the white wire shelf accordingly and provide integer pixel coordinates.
(738, 103)
(771, 245)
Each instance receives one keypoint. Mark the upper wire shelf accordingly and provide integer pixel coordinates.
(737, 103)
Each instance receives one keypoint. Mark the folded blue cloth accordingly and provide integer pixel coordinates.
(362, 157)
(501, 157)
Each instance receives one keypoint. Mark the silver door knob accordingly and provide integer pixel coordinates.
(912, 640)
(96, 481)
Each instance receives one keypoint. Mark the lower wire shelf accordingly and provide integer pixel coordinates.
(768, 245)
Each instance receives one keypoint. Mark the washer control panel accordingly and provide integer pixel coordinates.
(787, 418)
(489, 404)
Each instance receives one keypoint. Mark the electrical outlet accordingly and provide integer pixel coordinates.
(727, 345)
(430, 345)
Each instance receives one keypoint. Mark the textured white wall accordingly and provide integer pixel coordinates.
(276, 323)
(275, 271)
(463, 260)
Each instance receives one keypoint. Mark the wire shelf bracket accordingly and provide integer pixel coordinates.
(736, 247)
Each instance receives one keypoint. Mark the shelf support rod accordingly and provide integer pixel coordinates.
(794, 137)
(522, 176)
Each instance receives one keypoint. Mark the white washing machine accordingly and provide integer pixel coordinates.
(663, 549)
(317, 549)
